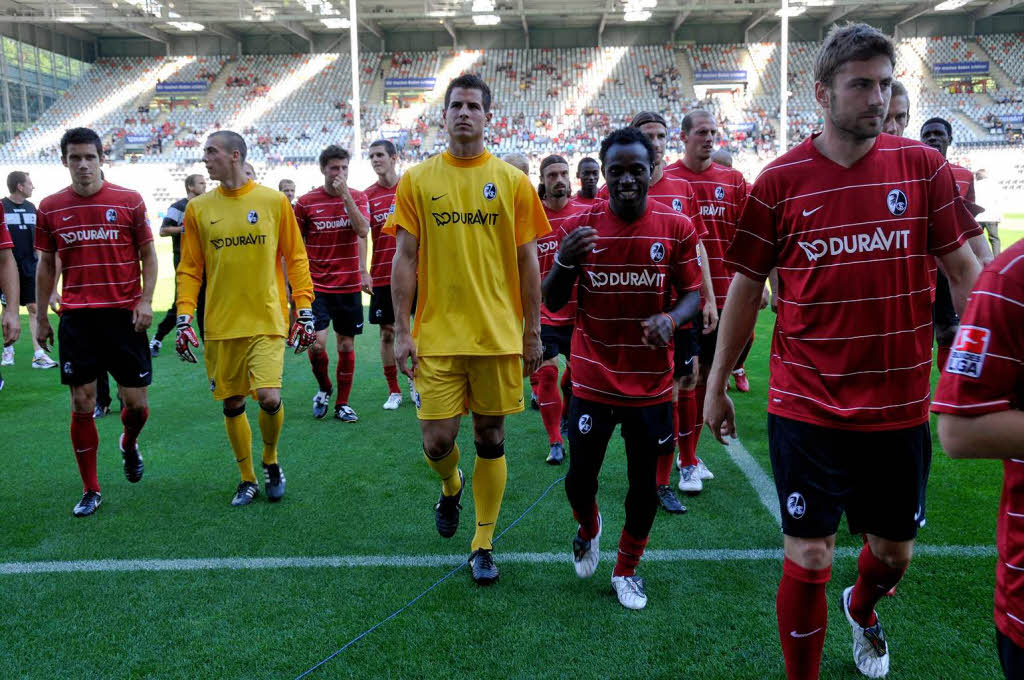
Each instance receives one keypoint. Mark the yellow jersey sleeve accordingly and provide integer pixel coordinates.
(531, 222)
(406, 214)
(291, 247)
(189, 276)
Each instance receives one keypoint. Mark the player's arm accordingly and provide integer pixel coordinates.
(962, 270)
(10, 284)
(189, 279)
(171, 228)
(981, 249)
(142, 315)
(993, 435)
(46, 273)
(364, 273)
(529, 291)
(710, 306)
(557, 286)
(296, 263)
(403, 287)
(356, 213)
(773, 280)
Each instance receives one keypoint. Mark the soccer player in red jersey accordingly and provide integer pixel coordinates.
(555, 191)
(849, 219)
(980, 402)
(898, 115)
(381, 198)
(720, 192)
(588, 172)
(938, 134)
(100, 233)
(9, 284)
(636, 270)
(333, 219)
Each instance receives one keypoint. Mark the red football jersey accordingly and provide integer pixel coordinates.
(5, 236)
(547, 246)
(634, 272)
(584, 202)
(98, 239)
(721, 192)
(985, 374)
(331, 244)
(964, 179)
(382, 203)
(852, 342)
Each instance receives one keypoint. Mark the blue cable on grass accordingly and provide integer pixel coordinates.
(424, 593)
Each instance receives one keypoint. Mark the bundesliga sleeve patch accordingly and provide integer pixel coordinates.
(967, 356)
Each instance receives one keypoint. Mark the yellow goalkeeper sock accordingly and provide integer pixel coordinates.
(270, 428)
(240, 436)
(489, 476)
(447, 468)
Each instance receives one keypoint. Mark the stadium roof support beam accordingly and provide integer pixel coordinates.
(604, 21)
(913, 13)
(299, 30)
(754, 22)
(526, 26)
(151, 33)
(225, 32)
(995, 8)
(451, 31)
(372, 28)
(683, 14)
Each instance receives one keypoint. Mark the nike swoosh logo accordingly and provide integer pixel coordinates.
(662, 441)
(689, 361)
(143, 375)
(216, 221)
(599, 250)
(67, 218)
(434, 198)
(808, 213)
(81, 450)
(795, 634)
(359, 325)
(319, 211)
(484, 524)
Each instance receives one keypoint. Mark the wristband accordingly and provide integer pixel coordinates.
(559, 263)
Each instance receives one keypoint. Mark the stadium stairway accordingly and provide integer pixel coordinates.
(979, 131)
(375, 93)
(219, 83)
(1003, 81)
(685, 73)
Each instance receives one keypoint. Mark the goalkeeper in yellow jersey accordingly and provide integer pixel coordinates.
(237, 235)
(466, 225)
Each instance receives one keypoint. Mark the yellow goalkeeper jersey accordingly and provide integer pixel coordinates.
(238, 237)
(469, 216)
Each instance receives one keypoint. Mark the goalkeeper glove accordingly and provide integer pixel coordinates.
(303, 331)
(185, 337)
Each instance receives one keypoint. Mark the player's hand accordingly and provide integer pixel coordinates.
(142, 316)
(405, 350)
(766, 298)
(710, 317)
(576, 245)
(44, 332)
(720, 415)
(185, 337)
(12, 325)
(658, 330)
(367, 282)
(338, 186)
(533, 353)
(303, 333)
(55, 303)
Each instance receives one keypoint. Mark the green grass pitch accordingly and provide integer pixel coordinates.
(363, 489)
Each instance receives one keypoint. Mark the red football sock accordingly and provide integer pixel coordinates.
(321, 369)
(874, 579)
(391, 374)
(942, 354)
(686, 409)
(85, 440)
(802, 613)
(588, 523)
(550, 401)
(343, 374)
(664, 470)
(566, 390)
(630, 551)
(133, 422)
(698, 421)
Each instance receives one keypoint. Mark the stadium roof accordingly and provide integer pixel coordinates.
(163, 19)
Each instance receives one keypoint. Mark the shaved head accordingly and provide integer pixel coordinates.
(230, 141)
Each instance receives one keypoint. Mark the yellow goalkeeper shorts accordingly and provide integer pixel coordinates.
(241, 366)
(450, 386)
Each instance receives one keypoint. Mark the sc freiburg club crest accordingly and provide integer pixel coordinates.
(896, 202)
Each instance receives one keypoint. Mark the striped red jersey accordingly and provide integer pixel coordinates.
(721, 192)
(584, 202)
(964, 179)
(5, 236)
(98, 239)
(547, 246)
(634, 272)
(382, 203)
(985, 374)
(852, 342)
(331, 244)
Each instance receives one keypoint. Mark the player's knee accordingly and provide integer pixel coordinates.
(490, 451)
(31, 307)
(687, 382)
(346, 344)
(438, 447)
(489, 433)
(895, 555)
(233, 409)
(83, 403)
(387, 335)
(271, 404)
(811, 553)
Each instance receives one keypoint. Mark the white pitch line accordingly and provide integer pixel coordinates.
(762, 484)
(358, 561)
